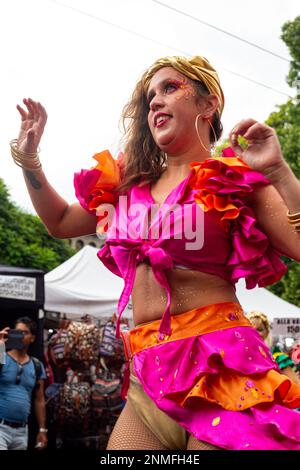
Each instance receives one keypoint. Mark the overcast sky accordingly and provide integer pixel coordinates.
(71, 57)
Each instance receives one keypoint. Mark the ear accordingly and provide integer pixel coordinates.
(209, 105)
(33, 338)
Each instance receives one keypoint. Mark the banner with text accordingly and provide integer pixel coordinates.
(18, 287)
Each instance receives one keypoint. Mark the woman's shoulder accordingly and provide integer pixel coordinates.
(226, 168)
(224, 184)
(98, 184)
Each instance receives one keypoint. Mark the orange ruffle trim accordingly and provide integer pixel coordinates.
(108, 180)
(210, 200)
(237, 392)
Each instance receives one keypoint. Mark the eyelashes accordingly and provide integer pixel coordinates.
(174, 85)
(170, 85)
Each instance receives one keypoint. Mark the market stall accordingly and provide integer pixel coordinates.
(22, 293)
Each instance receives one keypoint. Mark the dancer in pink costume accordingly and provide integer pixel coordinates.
(183, 225)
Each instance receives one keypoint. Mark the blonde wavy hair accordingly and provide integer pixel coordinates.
(143, 160)
(255, 314)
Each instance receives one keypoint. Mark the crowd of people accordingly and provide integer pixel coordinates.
(76, 388)
(198, 375)
(285, 363)
(21, 388)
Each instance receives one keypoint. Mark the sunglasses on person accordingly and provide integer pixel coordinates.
(19, 373)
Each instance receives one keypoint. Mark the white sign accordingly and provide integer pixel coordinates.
(286, 326)
(18, 287)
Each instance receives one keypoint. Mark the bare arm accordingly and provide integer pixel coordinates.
(61, 219)
(271, 203)
(270, 210)
(40, 413)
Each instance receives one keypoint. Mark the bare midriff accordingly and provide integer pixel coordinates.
(190, 289)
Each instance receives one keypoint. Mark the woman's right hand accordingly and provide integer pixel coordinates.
(33, 121)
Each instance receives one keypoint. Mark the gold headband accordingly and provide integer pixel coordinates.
(261, 316)
(198, 68)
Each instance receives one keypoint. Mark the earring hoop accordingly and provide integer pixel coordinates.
(214, 133)
(200, 140)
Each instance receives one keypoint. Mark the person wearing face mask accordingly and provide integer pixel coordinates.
(262, 325)
(21, 384)
(182, 226)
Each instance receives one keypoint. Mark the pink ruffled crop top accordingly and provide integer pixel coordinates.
(204, 224)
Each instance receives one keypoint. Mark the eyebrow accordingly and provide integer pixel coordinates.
(150, 94)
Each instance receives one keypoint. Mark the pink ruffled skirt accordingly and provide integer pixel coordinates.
(217, 379)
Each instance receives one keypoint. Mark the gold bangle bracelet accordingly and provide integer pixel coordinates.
(294, 222)
(27, 161)
(13, 145)
(295, 215)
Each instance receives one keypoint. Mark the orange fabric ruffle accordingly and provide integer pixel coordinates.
(223, 185)
(237, 392)
(210, 200)
(109, 179)
(198, 321)
(222, 357)
(97, 186)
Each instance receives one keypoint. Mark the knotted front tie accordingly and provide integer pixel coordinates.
(159, 260)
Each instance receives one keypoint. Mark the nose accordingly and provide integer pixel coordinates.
(156, 102)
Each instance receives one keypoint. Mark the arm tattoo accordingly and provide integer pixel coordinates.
(35, 183)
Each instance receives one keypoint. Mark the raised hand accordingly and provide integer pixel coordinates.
(33, 121)
(263, 152)
(3, 334)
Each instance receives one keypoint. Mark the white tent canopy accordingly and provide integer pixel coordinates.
(263, 300)
(82, 285)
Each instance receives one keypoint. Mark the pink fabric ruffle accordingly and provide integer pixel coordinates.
(97, 185)
(223, 184)
(240, 349)
(169, 374)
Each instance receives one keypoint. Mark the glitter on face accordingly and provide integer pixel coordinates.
(186, 87)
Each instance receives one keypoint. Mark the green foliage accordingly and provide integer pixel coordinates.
(288, 288)
(24, 241)
(286, 122)
(291, 37)
(218, 150)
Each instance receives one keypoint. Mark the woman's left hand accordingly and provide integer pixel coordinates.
(263, 152)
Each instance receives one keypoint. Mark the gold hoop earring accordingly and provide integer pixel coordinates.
(214, 133)
(196, 126)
